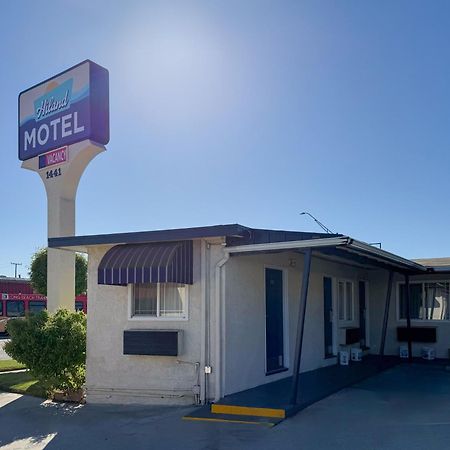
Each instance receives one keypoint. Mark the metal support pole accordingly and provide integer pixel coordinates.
(386, 313)
(408, 316)
(300, 326)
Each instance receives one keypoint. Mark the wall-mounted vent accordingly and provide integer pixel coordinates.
(418, 334)
(152, 342)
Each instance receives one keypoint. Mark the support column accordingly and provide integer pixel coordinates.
(61, 183)
(60, 263)
(300, 326)
(408, 317)
(386, 313)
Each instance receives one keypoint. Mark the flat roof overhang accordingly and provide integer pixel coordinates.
(341, 248)
(82, 243)
(333, 247)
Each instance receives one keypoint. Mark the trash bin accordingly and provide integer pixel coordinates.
(428, 353)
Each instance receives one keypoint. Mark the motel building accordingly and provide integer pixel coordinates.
(227, 315)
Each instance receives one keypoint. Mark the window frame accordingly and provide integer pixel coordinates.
(8, 302)
(156, 318)
(36, 301)
(346, 320)
(422, 282)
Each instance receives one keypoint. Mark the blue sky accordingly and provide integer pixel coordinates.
(247, 112)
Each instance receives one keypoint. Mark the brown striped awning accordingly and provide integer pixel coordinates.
(162, 262)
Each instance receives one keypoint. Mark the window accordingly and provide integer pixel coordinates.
(15, 308)
(160, 300)
(428, 301)
(345, 300)
(36, 306)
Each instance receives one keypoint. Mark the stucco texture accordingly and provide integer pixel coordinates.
(245, 315)
(113, 377)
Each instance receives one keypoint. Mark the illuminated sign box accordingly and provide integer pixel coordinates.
(65, 109)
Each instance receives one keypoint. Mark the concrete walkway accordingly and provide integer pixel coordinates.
(403, 407)
(312, 386)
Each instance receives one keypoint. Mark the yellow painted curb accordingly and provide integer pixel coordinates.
(207, 419)
(248, 411)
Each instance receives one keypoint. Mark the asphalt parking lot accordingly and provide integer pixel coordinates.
(403, 407)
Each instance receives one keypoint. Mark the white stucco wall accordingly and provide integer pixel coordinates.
(117, 378)
(245, 315)
(226, 327)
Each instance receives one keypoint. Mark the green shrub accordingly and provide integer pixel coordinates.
(53, 347)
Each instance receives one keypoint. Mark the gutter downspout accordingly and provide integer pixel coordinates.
(203, 332)
(220, 324)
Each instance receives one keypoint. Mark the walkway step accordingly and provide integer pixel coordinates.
(205, 414)
(218, 408)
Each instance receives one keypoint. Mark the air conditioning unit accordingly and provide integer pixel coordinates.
(403, 353)
(356, 354)
(152, 342)
(428, 353)
(344, 358)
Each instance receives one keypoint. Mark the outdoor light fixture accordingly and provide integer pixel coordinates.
(321, 225)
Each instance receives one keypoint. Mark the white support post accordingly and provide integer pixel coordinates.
(61, 188)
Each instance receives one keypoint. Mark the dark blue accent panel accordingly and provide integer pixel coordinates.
(327, 316)
(362, 312)
(138, 276)
(99, 104)
(41, 161)
(274, 320)
(261, 236)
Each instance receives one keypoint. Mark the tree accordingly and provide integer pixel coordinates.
(38, 272)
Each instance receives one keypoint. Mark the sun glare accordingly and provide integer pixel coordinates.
(179, 67)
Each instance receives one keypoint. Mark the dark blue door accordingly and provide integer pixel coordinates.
(274, 320)
(328, 316)
(362, 313)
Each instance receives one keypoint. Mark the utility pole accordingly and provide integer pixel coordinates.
(15, 264)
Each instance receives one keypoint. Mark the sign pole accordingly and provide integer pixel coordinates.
(63, 125)
(61, 194)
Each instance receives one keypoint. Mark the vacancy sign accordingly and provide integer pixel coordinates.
(54, 157)
(68, 108)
